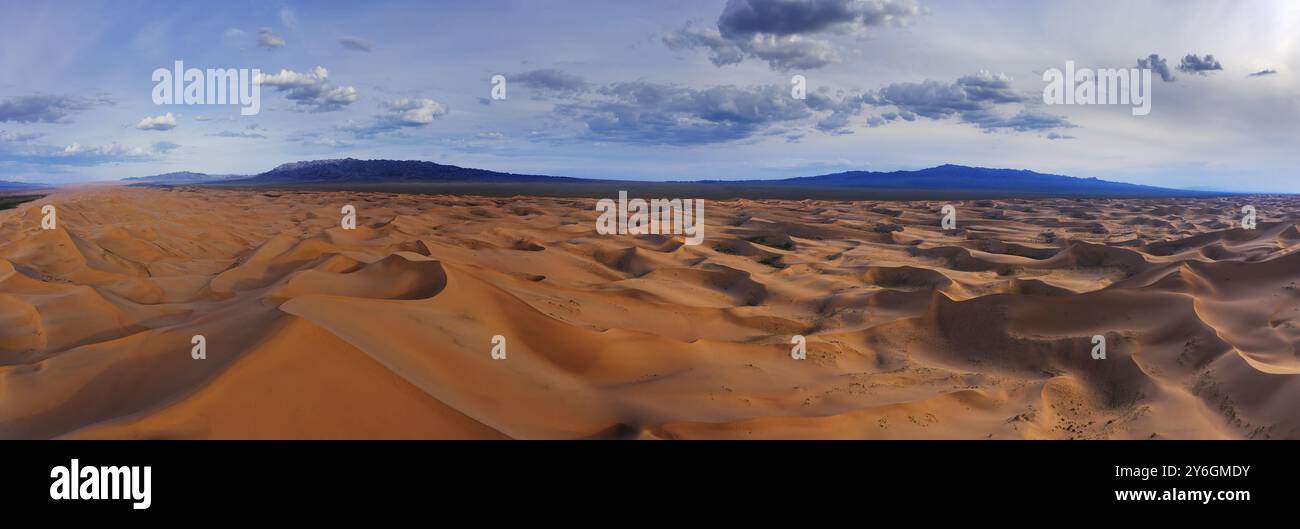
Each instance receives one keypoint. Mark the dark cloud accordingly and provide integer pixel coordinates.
(356, 44)
(665, 114)
(1199, 65)
(742, 19)
(1262, 73)
(781, 53)
(889, 117)
(1158, 65)
(1058, 136)
(971, 99)
(268, 40)
(651, 113)
(989, 87)
(843, 107)
(164, 147)
(778, 31)
(45, 109)
(721, 51)
(551, 81)
(939, 100)
(1023, 121)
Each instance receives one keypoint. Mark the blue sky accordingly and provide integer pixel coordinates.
(655, 90)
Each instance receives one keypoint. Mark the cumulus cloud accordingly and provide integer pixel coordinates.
(400, 113)
(551, 81)
(312, 90)
(113, 149)
(971, 99)
(781, 52)
(842, 108)
(1024, 121)
(77, 154)
(779, 31)
(164, 122)
(22, 148)
(268, 40)
(745, 18)
(1199, 65)
(644, 112)
(652, 113)
(938, 100)
(411, 112)
(44, 108)
(1264, 72)
(356, 44)
(1158, 65)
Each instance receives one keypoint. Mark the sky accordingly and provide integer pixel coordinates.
(657, 89)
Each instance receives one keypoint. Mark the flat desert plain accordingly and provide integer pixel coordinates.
(386, 331)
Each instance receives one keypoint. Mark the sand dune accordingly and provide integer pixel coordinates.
(385, 331)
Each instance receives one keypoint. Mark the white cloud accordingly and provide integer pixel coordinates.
(311, 89)
(415, 112)
(112, 150)
(164, 122)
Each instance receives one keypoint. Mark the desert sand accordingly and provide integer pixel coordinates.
(385, 331)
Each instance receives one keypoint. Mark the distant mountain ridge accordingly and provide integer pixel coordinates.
(351, 170)
(943, 180)
(6, 185)
(961, 177)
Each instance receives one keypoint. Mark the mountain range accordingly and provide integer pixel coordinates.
(946, 179)
(6, 185)
(951, 176)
